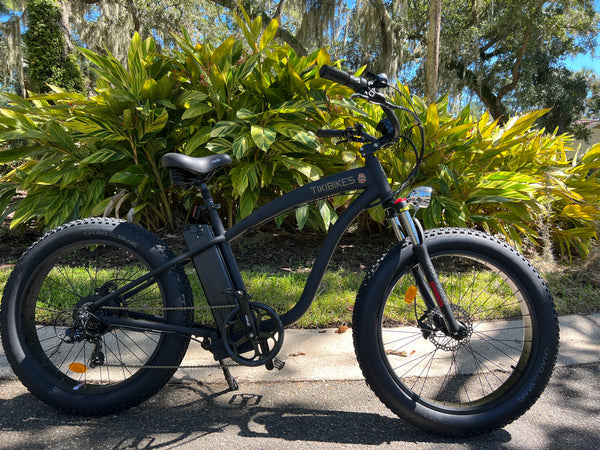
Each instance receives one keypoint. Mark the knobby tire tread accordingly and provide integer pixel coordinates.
(359, 334)
(143, 238)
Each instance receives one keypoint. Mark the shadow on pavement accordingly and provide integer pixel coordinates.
(266, 415)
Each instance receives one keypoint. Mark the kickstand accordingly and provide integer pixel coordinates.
(233, 385)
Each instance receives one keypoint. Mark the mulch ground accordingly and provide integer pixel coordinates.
(276, 251)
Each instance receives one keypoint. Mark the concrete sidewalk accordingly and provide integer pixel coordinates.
(313, 355)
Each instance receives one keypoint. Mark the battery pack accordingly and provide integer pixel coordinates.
(212, 271)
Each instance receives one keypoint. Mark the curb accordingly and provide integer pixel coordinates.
(324, 355)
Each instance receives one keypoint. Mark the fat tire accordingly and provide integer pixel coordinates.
(493, 412)
(25, 353)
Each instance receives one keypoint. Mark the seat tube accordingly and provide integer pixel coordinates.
(219, 230)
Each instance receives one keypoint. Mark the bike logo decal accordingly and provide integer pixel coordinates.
(362, 178)
(334, 185)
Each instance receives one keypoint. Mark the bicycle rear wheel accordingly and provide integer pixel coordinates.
(67, 356)
(449, 386)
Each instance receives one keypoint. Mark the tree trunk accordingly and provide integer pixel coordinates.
(15, 52)
(65, 9)
(433, 50)
(135, 16)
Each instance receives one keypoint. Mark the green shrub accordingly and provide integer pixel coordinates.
(48, 61)
(77, 156)
(513, 180)
(262, 107)
(101, 154)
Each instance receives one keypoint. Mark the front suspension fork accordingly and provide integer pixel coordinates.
(428, 282)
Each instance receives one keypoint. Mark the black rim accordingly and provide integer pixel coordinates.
(459, 377)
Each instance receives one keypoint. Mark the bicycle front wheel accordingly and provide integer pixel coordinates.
(64, 353)
(457, 386)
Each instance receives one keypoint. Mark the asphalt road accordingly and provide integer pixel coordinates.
(315, 415)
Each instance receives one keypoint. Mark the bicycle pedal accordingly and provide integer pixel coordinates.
(275, 363)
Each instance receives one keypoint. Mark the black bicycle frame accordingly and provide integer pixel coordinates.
(371, 180)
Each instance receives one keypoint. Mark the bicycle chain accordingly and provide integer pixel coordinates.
(170, 308)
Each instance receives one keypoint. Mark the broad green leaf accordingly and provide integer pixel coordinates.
(453, 130)
(248, 202)
(225, 128)
(377, 214)
(22, 120)
(154, 125)
(496, 198)
(165, 87)
(15, 154)
(432, 120)
(262, 137)
(302, 216)
(219, 145)
(190, 97)
(196, 110)
(581, 212)
(150, 89)
(325, 211)
(59, 136)
(348, 156)
(132, 175)
(200, 137)
(223, 50)
(295, 133)
(21, 134)
(245, 114)
(104, 155)
(100, 207)
(268, 34)
(246, 29)
(241, 145)
(521, 178)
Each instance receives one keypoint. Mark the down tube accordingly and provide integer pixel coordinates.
(333, 237)
(331, 241)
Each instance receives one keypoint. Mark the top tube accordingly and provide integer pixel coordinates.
(349, 180)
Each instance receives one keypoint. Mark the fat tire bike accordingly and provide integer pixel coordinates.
(453, 329)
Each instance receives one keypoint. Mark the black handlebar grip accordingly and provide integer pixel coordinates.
(357, 84)
(331, 133)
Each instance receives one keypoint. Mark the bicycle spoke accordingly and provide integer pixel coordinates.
(447, 371)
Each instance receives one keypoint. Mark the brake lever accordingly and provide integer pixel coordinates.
(357, 95)
(378, 81)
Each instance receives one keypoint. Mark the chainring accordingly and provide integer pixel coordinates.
(248, 349)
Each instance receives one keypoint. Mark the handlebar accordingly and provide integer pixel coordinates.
(367, 88)
(357, 84)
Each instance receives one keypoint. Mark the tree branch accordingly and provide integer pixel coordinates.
(516, 68)
(480, 87)
(255, 11)
(278, 10)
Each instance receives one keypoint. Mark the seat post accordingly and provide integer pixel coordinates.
(212, 208)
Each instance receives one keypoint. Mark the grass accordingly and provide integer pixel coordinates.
(576, 290)
(281, 291)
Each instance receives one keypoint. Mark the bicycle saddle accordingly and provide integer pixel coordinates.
(199, 166)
